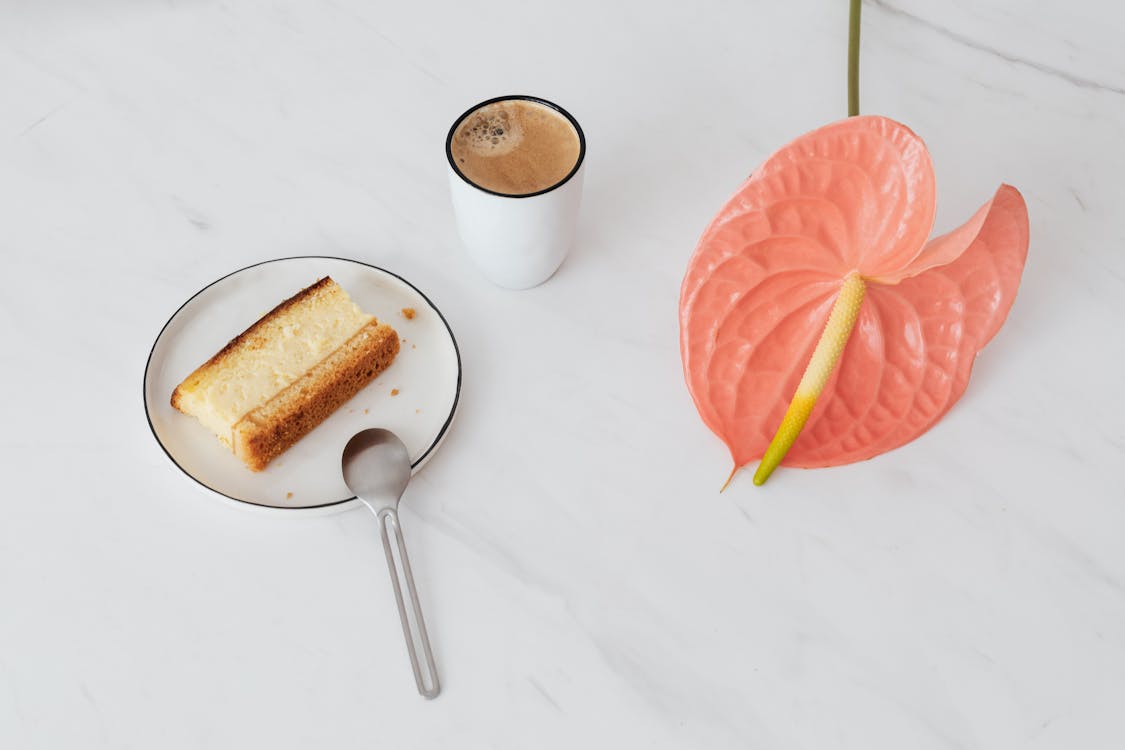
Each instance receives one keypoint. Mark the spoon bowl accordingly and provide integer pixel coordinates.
(376, 468)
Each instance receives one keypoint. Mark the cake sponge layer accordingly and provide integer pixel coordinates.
(267, 431)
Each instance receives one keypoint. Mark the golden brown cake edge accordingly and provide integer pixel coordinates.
(272, 428)
(238, 340)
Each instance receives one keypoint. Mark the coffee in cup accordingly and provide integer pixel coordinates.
(515, 147)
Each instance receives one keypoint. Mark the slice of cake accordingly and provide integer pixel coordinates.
(287, 373)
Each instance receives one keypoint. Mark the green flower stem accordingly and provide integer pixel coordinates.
(853, 58)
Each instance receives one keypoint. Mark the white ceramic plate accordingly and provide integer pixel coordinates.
(426, 372)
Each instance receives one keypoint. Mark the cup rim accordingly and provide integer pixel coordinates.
(517, 97)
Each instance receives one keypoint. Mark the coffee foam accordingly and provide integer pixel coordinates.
(491, 131)
(515, 147)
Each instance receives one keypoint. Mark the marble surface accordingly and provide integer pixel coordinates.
(585, 584)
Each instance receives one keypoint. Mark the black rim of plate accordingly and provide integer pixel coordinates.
(148, 363)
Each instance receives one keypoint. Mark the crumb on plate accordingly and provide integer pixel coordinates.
(288, 495)
(408, 313)
(394, 391)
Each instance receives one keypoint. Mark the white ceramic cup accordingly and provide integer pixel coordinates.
(517, 241)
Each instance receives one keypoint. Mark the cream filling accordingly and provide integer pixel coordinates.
(279, 353)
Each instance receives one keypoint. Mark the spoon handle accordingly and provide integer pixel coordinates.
(389, 527)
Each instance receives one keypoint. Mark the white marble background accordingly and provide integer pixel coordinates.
(585, 584)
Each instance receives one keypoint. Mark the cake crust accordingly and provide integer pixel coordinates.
(245, 339)
(269, 430)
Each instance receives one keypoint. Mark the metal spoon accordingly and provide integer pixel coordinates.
(377, 469)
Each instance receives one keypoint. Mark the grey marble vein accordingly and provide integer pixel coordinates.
(966, 41)
(543, 692)
(48, 115)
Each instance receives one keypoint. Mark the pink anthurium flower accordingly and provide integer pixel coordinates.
(818, 326)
